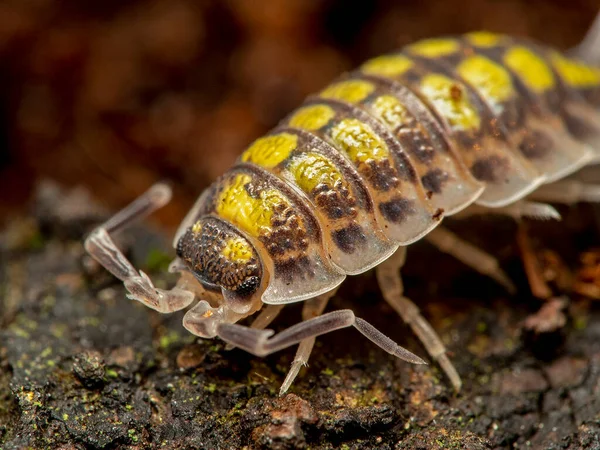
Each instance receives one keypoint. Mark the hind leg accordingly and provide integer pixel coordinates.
(568, 192)
(390, 282)
(103, 249)
(472, 256)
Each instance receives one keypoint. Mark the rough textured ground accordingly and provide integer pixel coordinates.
(83, 367)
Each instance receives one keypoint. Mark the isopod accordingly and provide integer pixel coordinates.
(364, 168)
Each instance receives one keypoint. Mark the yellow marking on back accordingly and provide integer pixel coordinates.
(491, 80)
(575, 73)
(250, 214)
(389, 110)
(433, 48)
(531, 68)
(359, 141)
(451, 101)
(312, 169)
(387, 65)
(312, 117)
(352, 91)
(238, 250)
(270, 151)
(483, 39)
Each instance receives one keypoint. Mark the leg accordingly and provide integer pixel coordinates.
(589, 49)
(535, 276)
(517, 210)
(268, 314)
(264, 342)
(470, 255)
(312, 308)
(567, 192)
(390, 282)
(102, 248)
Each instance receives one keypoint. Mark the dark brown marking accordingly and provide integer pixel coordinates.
(579, 127)
(349, 238)
(438, 214)
(535, 144)
(491, 170)
(434, 180)
(397, 210)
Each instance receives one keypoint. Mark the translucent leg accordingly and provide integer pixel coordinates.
(268, 314)
(390, 282)
(589, 49)
(568, 192)
(265, 342)
(518, 210)
(102, 248)
(470, 255)
(312, 308)
(535, 277)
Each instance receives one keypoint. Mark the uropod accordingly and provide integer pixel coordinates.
(476, 123)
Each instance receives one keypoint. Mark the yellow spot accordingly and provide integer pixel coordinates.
(387, 65)
(433, 48)
(530, 68)
(270, 151)
(237, 249)
(451, 101)
(359, 141)
(197, 227)
(312, 117)
(313, 169)
(207, 313)
(352, 91)
(483, 38)
(575, 73)
(250, 214)
(389, 110)
(489, 78)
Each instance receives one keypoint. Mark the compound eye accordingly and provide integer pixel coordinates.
(248, 287)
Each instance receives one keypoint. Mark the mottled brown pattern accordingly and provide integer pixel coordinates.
(380, 175)
(286, 235)
(336, 202)
(294, 269)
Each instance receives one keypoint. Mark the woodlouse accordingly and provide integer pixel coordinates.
(367, 166)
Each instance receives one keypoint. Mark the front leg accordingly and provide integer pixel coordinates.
(102, 248)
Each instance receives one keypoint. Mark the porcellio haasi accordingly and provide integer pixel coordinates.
(362, 169)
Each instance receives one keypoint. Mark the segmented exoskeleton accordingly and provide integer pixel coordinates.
(367, 166)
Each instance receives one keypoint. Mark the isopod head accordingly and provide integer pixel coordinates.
(224, 262)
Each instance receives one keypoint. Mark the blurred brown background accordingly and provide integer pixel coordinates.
(115, 95)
